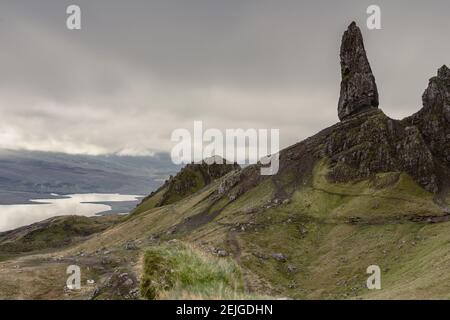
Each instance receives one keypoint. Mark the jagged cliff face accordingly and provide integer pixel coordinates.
(190, 179)
(433, 120)
(433, 124)
(371, 142)
(367, 141)
(358, 88)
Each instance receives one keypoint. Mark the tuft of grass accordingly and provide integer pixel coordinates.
(182, 271)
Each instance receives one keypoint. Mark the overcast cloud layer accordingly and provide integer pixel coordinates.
(140, 69)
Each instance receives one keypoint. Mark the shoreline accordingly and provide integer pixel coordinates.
(31, 211)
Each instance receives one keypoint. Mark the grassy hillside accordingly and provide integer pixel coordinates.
(328, 234)
(53, 233)
(312, 239)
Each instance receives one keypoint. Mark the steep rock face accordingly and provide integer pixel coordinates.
(362, 146)
(433, 120)
(375, 143)
(433, 123)
(358, 88)
(192, 178)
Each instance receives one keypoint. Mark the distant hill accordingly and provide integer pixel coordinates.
(28, 174)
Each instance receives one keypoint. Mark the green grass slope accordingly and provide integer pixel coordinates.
(55, 232)
(278, 236)
(180, 271)
(327, 235)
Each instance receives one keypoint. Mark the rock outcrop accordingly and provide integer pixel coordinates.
(192, 178)
(433, 120)
(369, 142)
(358, 88)
(372, 143)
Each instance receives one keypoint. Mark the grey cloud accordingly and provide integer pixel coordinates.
(139, 69)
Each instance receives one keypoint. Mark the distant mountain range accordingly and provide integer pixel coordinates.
(27, 175)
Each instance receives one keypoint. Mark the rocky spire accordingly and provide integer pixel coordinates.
(358, 88)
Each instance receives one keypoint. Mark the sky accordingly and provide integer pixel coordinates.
(137, 70)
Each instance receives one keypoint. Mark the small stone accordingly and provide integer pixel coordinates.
(134, 292)
(276, 201)
(279, 257)
(260, 255)
(291, 268)
(130, 246)
(222, 253)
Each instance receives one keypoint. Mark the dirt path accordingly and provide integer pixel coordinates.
(237, 252)
(342, 194)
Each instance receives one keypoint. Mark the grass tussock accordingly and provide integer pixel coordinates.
(183, 272)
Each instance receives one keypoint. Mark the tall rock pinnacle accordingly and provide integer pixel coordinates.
(358, 88)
